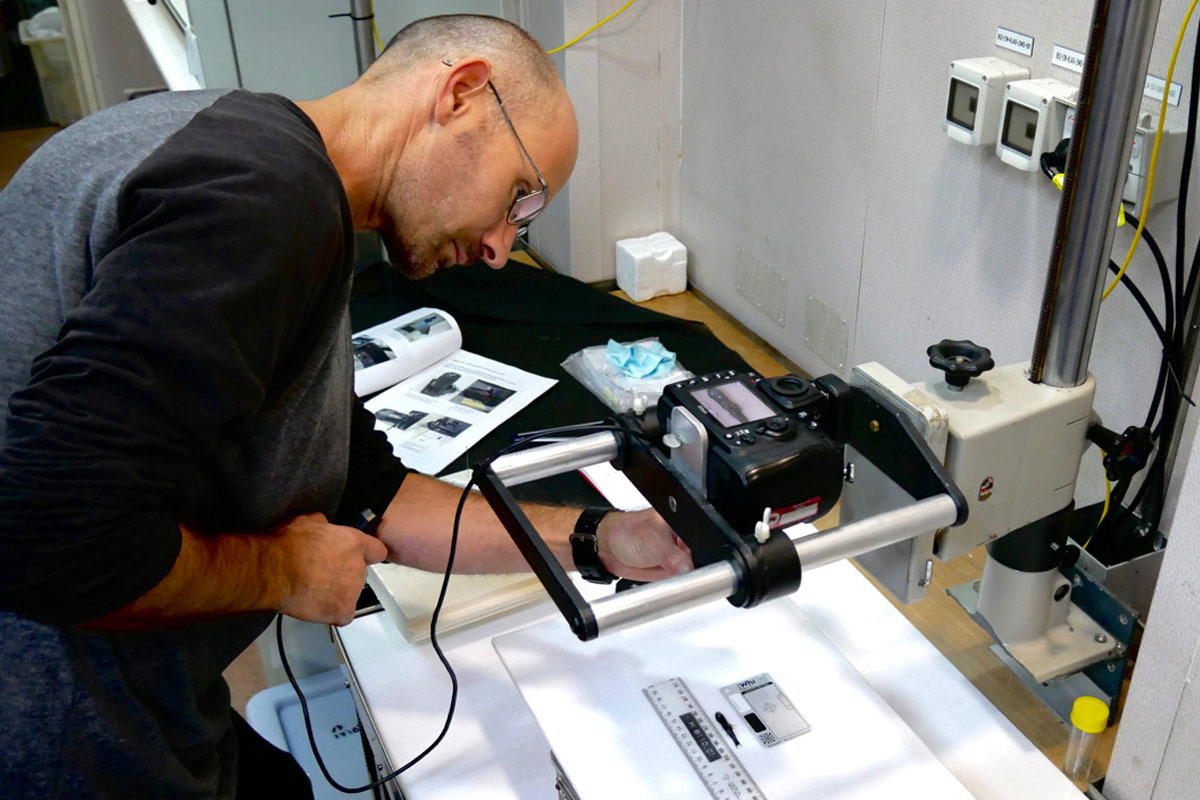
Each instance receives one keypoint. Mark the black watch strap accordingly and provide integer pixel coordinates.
(583, 546)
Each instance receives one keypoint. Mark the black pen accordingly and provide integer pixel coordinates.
(724, 723)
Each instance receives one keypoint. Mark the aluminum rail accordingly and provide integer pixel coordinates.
(718, 581)
(546, 460)
(1114, 74)
(663, 598)
(881, 530)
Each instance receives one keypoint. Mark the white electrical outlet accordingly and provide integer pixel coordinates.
(975, 98)
(1034, 114)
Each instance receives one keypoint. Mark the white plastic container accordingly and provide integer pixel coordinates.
(652, 265)
(275, 714)
(1089, 718)
(48, 46)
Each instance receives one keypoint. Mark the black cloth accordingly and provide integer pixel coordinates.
(264, 771)
(534, 319)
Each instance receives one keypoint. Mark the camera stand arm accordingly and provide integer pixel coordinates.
(722, 579)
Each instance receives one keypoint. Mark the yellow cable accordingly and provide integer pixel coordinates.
(1107, 497)
(597, 25)
(375, 30)
(1162, 117)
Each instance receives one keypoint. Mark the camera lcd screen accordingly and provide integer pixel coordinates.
(1020, 128)
(732, 404)
(964, 100)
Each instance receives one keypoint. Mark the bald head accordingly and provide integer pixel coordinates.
(424, 150)
(521, 69)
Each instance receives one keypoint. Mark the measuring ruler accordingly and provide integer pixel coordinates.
(719, 769)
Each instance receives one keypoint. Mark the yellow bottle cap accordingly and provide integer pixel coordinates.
(1089, 714)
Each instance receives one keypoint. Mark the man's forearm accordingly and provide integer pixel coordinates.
(214, 575)
(417, 524)
(305, 567)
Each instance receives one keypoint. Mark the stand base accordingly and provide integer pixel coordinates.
(1101, 677)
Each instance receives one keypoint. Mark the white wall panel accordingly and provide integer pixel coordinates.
(1159, 732)
(624, 82)
(812, 140)
(956, 243)
(778, 111)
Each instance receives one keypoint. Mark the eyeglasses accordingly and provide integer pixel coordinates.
(526, 205)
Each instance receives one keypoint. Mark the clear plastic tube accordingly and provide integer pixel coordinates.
(1081, 751)
(1089, 718)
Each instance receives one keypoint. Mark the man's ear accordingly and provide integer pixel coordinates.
(466, 84)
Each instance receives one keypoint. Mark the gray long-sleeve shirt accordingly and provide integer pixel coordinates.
(174, 279)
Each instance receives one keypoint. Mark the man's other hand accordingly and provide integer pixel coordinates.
(639, 545)
(323, 569)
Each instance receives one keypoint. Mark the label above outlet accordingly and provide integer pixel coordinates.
(1155, 86)
(1017, 42)
(1067, 58)
(1073, 60)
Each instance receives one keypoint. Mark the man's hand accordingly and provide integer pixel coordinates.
(323, 568)
(639, 545)
(416, 527)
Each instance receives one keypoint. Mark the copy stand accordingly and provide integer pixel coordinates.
(729, 564)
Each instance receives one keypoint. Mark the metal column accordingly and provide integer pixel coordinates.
(362, 18)
(1114, 75)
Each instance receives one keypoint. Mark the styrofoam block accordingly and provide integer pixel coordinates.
(652, 265)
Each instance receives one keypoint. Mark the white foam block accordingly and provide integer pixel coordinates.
(652, 265)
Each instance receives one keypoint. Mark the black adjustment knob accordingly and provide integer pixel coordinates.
(1070, 557)
(961, 360)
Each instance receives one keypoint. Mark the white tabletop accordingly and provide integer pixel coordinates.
(496, 749)
(588, 700)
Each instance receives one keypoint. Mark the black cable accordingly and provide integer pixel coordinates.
(1112, 523)
(1104, 529)
(1173, 392)
(520, 441)
(1163, 337)
(1047, 165)
(1185, 179)
(1168, 334)
(1163, 273)
(1169, 322)
(1159, 385)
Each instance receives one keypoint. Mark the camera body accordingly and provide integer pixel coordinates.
(772, 443)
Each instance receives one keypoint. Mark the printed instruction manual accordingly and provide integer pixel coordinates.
(445, 399)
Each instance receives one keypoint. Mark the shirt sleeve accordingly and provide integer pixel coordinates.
(374, 475)
(223, 254)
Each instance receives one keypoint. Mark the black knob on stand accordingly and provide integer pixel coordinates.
(961, 360)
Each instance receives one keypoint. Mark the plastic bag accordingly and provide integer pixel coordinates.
(618, 391)
(46, 24)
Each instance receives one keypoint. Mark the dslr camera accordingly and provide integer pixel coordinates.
(766, 442)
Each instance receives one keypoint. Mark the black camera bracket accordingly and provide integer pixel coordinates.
(766, 570)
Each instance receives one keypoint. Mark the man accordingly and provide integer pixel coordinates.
(180, 426)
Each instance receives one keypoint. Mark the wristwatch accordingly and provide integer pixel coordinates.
(583, 546)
